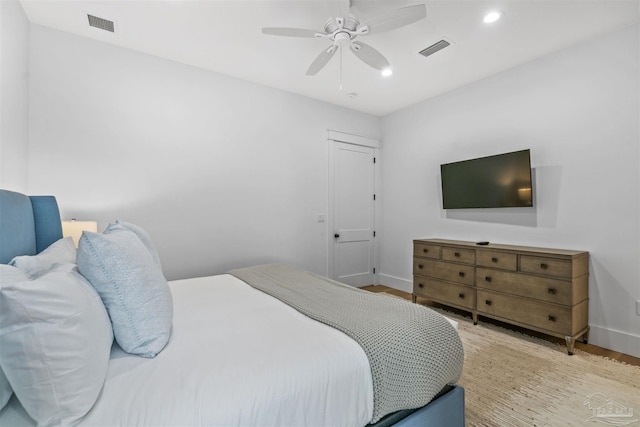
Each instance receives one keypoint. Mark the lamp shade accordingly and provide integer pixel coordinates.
(75, 228)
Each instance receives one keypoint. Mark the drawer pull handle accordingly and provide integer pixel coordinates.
(425, 250)
(461, 295)
(488, 302)
(494, 259)
(552, 318)
(552, 291)
(420, 266)
(487, 279)
(420, 285)
(461, 274)
(456, 254)
(544, 266)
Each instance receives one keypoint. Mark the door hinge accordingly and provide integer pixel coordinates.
(374, 234)
(374, 160)
(374, 197)
(374, 270)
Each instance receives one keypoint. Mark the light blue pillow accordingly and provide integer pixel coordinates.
(55, 342)
(132, 287)
(142, 235)
(60, 252)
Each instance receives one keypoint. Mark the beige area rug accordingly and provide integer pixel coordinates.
(511, 379)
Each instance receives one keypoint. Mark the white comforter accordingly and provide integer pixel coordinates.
(236, 357)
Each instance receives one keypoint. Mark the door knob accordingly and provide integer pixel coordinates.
(336, 235)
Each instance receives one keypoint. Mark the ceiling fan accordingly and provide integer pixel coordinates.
(343, 32)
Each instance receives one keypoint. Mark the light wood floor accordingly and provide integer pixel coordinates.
(589, 348)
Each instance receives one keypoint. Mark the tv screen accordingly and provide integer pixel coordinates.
(500, 181)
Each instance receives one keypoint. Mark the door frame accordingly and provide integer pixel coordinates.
(335, 137)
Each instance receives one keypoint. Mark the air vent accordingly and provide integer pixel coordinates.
(101, 23)
(438, 46)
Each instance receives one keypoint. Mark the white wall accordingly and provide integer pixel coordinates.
(223, 173)
(14, 125)
(578, 111)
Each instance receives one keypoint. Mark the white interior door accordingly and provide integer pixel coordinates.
(353, 213)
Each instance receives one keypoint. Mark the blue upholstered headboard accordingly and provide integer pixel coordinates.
(28, 224)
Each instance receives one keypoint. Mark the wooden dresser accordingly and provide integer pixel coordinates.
(545, 290)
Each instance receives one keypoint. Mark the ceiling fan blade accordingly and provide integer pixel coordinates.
(369, 55)
(397, 18)
(321, 60)
(289, 32)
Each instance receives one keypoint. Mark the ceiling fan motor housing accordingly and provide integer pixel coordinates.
(334, 24)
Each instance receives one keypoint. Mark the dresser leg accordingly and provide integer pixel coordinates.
(413, 298)
(474, 316)
(585, 337)
(570, 342)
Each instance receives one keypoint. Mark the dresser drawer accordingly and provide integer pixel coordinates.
(426, 250)
(502, 260)
(539, 315)
(467, 256)
(541, 288)
(444, 292)
(459, 273)
(547, 266)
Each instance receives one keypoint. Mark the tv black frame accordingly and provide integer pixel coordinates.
(488, 203)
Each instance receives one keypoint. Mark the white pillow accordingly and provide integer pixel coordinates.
(5, 389)
(55, 342)
(60, 252)
(8, 276)
(132, 287)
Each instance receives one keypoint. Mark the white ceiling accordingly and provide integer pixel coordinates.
(226, 37)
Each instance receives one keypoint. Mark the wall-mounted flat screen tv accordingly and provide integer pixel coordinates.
(500, 181)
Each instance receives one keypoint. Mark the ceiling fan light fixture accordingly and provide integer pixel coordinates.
(342, 39)
(493, 16)
(387, 72)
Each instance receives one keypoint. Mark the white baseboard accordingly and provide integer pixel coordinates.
(396, 282)
(611, 339)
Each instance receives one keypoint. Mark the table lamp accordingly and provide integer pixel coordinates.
(74, 229)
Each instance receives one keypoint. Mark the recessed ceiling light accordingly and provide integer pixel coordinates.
(387, 72)
(493, 16)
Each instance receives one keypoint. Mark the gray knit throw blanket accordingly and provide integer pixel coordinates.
(413, 351)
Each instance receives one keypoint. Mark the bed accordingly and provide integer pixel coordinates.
(236, 353)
